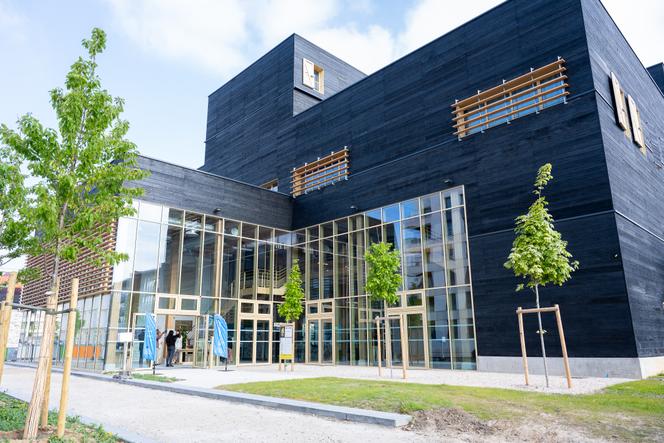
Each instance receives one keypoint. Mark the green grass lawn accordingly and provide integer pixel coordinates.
(156, 377)
(629, 411)
(12, 419)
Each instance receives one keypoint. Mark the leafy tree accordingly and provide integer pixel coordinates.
(13, 206)
(383, 276)
(291, 309)
(78, 172)
(539, 254)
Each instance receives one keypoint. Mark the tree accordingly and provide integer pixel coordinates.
(291, 309)
(77, 187)
(383, 276)
(13, 206)
(78, 172)
(539, 254)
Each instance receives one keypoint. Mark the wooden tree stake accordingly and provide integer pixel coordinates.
(563, 345)
(5, 320)
(47, 385)
(38, 389)
(69, 351)
(380, 367)
(519, 313)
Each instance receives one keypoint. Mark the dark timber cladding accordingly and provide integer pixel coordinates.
(399, 132)
(185, 188)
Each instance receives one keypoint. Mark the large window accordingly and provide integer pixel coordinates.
(322, 172)
(526, 94)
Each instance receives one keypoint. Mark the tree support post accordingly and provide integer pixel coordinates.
(49, 361)
(5, 320)
(380, 366)
(404, 344)
(563, 345)
(39, 386)
(69, 351)
(522, 338)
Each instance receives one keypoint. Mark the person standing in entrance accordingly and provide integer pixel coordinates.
(171, 338)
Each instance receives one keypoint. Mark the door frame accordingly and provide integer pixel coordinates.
(254, 317)
(401, 312)
(320, 314)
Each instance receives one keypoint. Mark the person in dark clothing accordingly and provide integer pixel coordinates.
(171, 338)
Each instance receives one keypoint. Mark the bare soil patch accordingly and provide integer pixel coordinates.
(445, 424)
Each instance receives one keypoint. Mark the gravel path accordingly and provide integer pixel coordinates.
(166, 417)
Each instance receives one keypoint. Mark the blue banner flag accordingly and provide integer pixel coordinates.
(220, 348)
(150, 345)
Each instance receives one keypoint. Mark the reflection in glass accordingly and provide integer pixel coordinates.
(191, 261)
(169, 260)
(211, 252)
(145, 262)
(125, 242)
(229, 267)
(247, 268)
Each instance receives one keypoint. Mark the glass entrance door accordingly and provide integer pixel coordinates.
(412, 316)
(203, 331)
(255, 343)
(320, 341)
(313, 338)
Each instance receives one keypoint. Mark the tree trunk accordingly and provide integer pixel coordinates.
(39, 386)
(541, 334)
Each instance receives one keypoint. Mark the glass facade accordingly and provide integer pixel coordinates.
(184, 266)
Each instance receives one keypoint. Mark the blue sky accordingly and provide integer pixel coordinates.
(165, 56)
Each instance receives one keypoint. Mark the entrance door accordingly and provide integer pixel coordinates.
(320, 339)
(412, 315)
(255, 341)
(203, 331)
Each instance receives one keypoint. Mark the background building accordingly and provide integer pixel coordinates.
(308, 159)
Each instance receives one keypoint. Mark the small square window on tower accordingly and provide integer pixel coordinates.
(313, 75)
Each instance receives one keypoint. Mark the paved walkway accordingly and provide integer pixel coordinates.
(210, 378)
(167, 417)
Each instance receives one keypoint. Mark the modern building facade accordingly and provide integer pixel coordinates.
(308, 160)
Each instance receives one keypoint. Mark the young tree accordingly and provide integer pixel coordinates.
(539, 254)
(383, 276)
(79, 171)
(77, 187)
(292, 308)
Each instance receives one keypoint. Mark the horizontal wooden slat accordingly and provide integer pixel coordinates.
(469, 128)
(321, 172)
(554, 80)
(525, 78)
(482, 115)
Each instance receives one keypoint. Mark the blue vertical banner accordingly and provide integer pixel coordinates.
(220, 348)
(150, 337)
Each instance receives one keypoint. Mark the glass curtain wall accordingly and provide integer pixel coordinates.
(223, 262)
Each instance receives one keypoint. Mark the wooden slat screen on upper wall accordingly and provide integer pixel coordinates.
(322, 172)
(526, 94)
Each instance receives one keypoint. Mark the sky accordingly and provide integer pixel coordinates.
(164, 57)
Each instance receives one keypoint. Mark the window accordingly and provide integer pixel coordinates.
(313, 75)
(272, 185)
(529, 93)
(628, 116)
(322, 172)
(635, 120)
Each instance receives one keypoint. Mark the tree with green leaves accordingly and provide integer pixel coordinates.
(78, 172)
(291, 309)
(539, 254)
(77, 187)
(383, 275)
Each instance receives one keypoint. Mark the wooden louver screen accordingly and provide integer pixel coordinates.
(526, 94)
(319, 173)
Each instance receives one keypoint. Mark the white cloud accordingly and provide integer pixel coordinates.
(432, 18)
(227, 35)
(211, 33)
(367, 51)
(642, 24)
